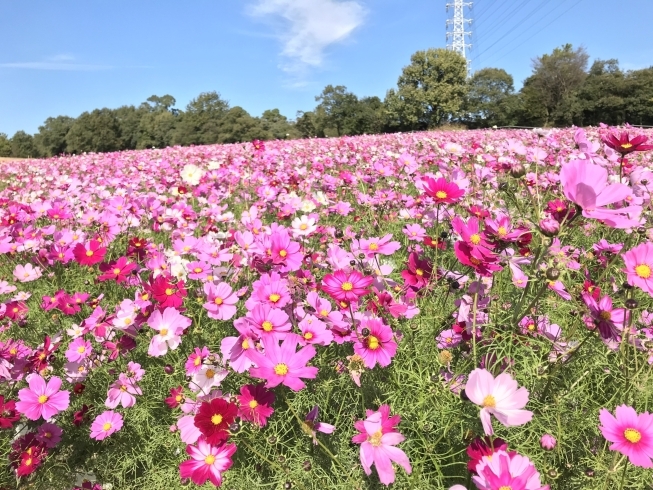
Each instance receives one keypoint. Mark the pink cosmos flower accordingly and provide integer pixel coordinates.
(609, 320)
(500, 397)
(255, 404)
(78, 350)
(376, 246)
(631, 434)
(90, 253)
(265, 321)
(221, 301)
(314, 331)
(49, 434)
(441, 191)
(234, 348)
(117, 270)
(587, 185)
(312, 425)
(414, 231)
(378, 439)
(195, 360)
(27, 273)
(378, 345)
(42, 399)
(639, 267)
(271, 290)
(503, 470)
(106, 424)
(473, 237)
(281, 364)
(207, 462)
(122, 392)
(170, 326)
(559, 288)
(198, 270)
(344, 286)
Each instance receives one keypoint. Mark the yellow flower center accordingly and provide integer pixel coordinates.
(245, 344)
(283, 253)
(281, 369)
(303, 226)
(197, 361)
(324, 313)
(210, 459)
(419, 272)
(218, 301)
(308, 335)
(216, 419)
(116, 271)
(163, 331)
(106, 426)
(347, 286)
(475, 238)
(605, 315)
(81, 349)
(274, 297)
(127, 321)
(89, 253)
(375, 439)
(632, 435)
(178, 398)
(502, 231)
(373, 246)
(643, 271)
(441, 195)
(505, 487)
(253, 404)
(210, 373)
(197, 270)
(626, 145)
(489, 402)
(267, 326)
(169, 292)
(373, 342)
(43, 399)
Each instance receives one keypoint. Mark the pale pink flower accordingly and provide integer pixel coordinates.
(170, 326)
(27, 273)
(106, 424)
(220, 301)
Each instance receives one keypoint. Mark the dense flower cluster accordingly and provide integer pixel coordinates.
(230, 278)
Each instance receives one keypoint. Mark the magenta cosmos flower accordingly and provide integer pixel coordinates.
(221, 301)
(377, 346)
(587, 185)
(498, 396)
(441, 191)
(378, 439)
(42, 399)
(639, 267)
(503, 470)
(624, 145)
(631, 434)
(207, 462)
(343, 286)
(106, 424)
(281, 364)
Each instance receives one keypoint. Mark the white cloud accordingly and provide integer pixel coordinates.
(309, 27)
(62, 57)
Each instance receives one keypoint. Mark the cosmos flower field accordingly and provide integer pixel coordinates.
(435, 310)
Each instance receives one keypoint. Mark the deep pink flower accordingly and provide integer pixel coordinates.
(441, 191)
(609, 320)
(8, 413)
(281, 364)
(118, 270)
(378, 345)
(343, 286)
(207, 462)
(631, 434)
(498, 396)
(624, 145)
(255, 404)
(166, 293)
(480, 447)
(312, 424)
(49, 435)
(89, 254)
(106, 424)
(42, 399)
(419, 271)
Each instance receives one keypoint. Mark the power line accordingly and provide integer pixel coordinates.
(538, 31)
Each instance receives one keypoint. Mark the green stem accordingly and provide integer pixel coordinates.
(474, 328)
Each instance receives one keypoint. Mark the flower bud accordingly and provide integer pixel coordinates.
(517, 170)
(549, 227)
(552, 274)
(168, 369)
(548, 442)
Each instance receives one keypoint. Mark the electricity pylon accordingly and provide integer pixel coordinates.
(457, 33)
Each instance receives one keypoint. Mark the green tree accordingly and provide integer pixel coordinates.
(639, 96)
(430, 91)
(51, 138)
(278, 125)
(306, 125)
(158, 122)
(5, 145)
(96, 131)
(490, 99)
(602, 96)
(238, 126)
(336, 110)
(549, 93)
(23, 146)
(129, 120)
(200, 123)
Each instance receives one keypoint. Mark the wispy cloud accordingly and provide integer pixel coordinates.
(44, 65)
(309, 27)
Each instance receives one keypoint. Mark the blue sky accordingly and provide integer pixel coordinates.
(67, 56)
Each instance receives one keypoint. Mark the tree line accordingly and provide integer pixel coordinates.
(431, 91)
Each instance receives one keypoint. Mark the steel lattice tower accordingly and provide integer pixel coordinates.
(458, 33)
